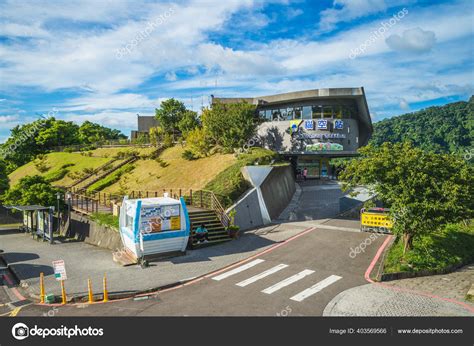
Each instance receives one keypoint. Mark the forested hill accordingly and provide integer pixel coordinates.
(448, 128)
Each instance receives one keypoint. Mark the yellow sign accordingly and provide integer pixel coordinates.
(375, 220)
(175, 222)
(294, 125)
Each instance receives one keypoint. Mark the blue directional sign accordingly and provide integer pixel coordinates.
(339, 124)
(309, 124)
(322, 124)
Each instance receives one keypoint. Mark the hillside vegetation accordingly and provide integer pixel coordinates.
(62, 168)
(444, 129)
(171, 170)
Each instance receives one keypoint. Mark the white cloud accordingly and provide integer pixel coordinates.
(8, 118)
(412, 40)
(404, 104)
(110, 101)
(347, 10)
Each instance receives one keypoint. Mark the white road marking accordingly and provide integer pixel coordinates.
(288, 281)
(262, 275)
(316, 288)
(238, 269)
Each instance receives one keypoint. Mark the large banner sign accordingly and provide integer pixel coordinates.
(324, 147)
(157, 219)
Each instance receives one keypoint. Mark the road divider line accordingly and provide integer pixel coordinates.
(316, 288)
(238, 269)
(288, 281)
(262, 275)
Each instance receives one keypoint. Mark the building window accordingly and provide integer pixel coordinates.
(338, 112)
(357, 139)
(297, 113)
(290, 113)
(284, 114)
(307, 112)
(317, 111)
(327, 112)
(268, 114)
(276, 115)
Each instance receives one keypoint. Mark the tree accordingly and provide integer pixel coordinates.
(424, 190)
(57, 133)
(4, 181)
(170, 114)
(229, 125)
(90, 133)
(31, 190)
(443, 129)
(188, 123)
(198, 144)
(156, 135)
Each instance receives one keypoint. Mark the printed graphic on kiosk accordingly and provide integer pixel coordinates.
(21, 331)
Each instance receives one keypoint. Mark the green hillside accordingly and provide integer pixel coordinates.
(62, 168)
(443, 129)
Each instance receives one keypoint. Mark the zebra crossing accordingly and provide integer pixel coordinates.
(299, 297)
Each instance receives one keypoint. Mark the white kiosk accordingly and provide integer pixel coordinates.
(151, 227)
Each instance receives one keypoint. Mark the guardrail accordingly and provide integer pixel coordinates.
(197, 198)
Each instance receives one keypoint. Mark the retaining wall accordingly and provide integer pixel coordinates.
(92, 233)
(278, 189)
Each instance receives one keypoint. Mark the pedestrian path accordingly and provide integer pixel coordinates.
(291, 276)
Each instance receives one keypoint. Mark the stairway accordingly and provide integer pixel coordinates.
(217, 233)
(101, 175)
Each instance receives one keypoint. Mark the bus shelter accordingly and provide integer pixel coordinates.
(37, 220)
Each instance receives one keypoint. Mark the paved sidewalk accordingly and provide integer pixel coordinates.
(401, 297)
(27, 258)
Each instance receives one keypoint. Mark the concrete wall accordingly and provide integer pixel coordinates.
(92, 233)
(278, 189)
(248, 213)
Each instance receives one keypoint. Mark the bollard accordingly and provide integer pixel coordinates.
(63, 292)
(42, 288)
(106, 294)
(89, 288)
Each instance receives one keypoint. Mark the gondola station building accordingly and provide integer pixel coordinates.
(311, 127)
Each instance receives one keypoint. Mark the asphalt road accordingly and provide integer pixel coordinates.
(298, 278)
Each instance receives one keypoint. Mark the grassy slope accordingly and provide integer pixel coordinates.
(453, 245)
(149, 175)
(56, 160)
(230, 183)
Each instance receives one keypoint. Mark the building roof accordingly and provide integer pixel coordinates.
(357, 94)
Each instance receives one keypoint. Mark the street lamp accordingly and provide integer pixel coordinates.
(58, 198)
(68, 198)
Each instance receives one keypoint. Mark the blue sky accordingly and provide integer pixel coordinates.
(106, 61)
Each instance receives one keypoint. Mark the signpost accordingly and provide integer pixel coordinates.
(59, 270)
(60, 275)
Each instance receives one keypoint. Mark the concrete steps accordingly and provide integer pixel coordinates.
(216, 231)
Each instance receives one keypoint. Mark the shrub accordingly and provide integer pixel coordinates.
(198, 144)
(188, 155)
(41, 163)
(110, 179)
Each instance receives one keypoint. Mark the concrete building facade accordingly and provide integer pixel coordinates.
(310, 127)
(144, 124)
